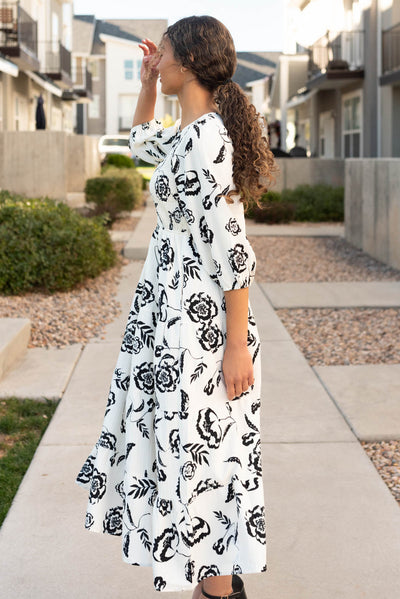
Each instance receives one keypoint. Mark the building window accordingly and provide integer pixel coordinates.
(128, 67)
(138, 68)
(326, 135)
(94, 107)
(352, 126)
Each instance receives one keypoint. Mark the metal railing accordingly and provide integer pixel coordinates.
(345, 46)
(391, 49)
(82, 78)
(56, 58)
(17, 28)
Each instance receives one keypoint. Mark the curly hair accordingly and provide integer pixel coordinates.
(205, 46)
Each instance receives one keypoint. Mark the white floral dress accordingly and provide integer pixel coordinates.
(177, 468)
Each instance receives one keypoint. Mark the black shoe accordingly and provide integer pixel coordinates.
(237, 593)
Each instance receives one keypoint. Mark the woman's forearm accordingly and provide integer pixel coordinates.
(145, 105)
(237, 307)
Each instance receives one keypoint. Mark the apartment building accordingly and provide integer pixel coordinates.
(35, 50)
(109, 50)
(338, 82)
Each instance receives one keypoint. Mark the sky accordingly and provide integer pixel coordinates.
(255, 25)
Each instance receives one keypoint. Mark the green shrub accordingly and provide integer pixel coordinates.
(275, 212)
(134, 176)
(111, 195)
(119, 160)
(47, 245)
(316, 203)
(265, 200)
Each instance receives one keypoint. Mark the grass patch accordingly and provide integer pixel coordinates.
(22, 424)
(146, 171)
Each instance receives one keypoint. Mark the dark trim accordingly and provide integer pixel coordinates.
(83, 93)
(343, 75)
(390, 78)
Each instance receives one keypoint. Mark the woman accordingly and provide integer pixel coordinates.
(177, 468)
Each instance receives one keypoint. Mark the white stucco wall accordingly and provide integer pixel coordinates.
(117, 51)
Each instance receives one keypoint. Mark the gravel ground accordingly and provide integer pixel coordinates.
(345, 336)
(385, 456)
(330, 337)
(64, 318)
(305, 259)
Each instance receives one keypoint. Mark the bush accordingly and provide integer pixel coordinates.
(265, 201)
(316, 203)
(47, 245)
(119, 160)
(306, 203)
(134, 176)
(275, 212)
(111, 195)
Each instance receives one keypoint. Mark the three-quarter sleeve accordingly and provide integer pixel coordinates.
(202, 164)
(151, 141)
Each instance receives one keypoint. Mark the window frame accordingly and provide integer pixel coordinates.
(345, 97)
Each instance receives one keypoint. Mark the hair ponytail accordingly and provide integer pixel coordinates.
(205, 46)
(253, 161)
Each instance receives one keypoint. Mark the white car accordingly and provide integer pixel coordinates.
(114, 144)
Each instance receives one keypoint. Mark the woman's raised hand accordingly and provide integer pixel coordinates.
(151, 58)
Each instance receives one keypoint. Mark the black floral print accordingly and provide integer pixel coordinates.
(167, 374)
(86, 473)
(97, 486)
(176, 471)
(162, 187)
(89, 520)
(188, 470)
(165, 545)
(210, 337)
(256, 523)
(113, 521)
(238, 258)
(159, 583)
(201, 307)
(233, 226)
(164, 506)
(167, 255)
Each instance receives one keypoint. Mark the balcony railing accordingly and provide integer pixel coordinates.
(82, 79)
(17, 28)
(56, 58)
(337, 50)
(391, 49)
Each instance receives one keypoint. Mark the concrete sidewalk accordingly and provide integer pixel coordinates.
(333, 527)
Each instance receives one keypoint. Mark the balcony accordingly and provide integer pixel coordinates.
(336, 59)
(18, 36)
(82, 83)
(56, 63)
(391, 55)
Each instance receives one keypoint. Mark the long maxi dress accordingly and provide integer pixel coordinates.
(177, 468)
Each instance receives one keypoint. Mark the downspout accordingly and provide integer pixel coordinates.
(379, 74)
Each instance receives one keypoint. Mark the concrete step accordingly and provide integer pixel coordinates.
(368, 395)
(41, 374)
(353, 294)
(295, 229)
(14, 338)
